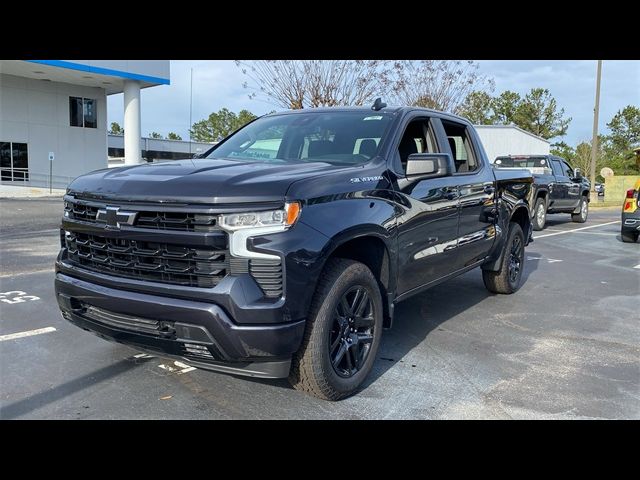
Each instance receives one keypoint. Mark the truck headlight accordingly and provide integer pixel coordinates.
(284, 217)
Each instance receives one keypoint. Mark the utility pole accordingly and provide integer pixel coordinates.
(190, 111)
(594, 141)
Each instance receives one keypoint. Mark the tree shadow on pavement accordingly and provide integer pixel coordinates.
(416, 317)
(38, 400)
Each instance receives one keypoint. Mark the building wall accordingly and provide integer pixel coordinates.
(36, 112)
(499, 141)
(615, 188)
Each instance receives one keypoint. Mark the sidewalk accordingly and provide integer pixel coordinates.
(20, 191)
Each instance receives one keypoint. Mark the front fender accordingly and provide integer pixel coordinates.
(322, 227)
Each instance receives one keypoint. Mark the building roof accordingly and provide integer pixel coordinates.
(513, 127)
(107, 74)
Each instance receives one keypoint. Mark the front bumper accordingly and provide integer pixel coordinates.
(199, 333)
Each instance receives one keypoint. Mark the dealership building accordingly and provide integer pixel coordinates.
(502, 140)
(53, 115)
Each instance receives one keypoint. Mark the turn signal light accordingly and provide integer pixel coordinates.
(627, 206)
(293, 212)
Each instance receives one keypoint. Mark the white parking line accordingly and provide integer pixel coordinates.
(182, 368)
(637, 266)
(575, 229)
(29, 333)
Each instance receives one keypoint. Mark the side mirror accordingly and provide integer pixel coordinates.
(577, 174)
(429, 165)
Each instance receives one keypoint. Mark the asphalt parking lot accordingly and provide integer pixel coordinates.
(567, 345)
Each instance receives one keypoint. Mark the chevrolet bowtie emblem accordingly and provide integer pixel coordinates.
(113, 217)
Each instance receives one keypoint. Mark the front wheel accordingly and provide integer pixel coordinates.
(507, 279)
(342, 334)
(583, 213)
(539, 214)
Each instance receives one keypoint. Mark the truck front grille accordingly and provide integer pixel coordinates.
(157, 220)
(156, 262)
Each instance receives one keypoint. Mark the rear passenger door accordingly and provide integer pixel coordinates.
(476, 194)
(559, 191)
(574, 187)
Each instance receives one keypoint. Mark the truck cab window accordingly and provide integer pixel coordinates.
(460, 144)
(418, 138)
(568, 171)
(557, 167)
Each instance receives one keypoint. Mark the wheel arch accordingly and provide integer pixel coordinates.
(521, 216)
(372, 250)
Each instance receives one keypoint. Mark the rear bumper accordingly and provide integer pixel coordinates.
(631, 221)
(199, 333)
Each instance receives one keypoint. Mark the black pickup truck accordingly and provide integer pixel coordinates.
(284, 249)
(558, 187)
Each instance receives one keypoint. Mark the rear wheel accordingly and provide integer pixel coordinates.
(507, 279)
(582, 215)
(539, 214)
(342, 334)
(629, 237)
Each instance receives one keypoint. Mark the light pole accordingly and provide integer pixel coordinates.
(594, 141)
(190, 110)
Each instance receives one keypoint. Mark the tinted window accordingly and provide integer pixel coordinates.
(568, 171)
(14, 161)
(5, 160)
(525, 162)
(75, 112)
(557, 168)
(332, 137)
(90, 117)
(461, 148)
(417, 138)
(82, 112)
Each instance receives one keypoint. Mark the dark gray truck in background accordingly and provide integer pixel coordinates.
(558, 187)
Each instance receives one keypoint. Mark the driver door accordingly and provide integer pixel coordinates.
(428, 226)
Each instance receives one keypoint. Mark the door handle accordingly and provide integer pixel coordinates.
(451, 194)
(489, 189)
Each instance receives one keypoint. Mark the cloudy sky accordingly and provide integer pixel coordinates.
(218, 84)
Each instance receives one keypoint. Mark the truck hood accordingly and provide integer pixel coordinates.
(216, 181)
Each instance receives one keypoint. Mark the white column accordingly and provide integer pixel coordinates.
(132, 125)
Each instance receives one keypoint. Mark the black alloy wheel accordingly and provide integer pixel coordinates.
(516, 256)
(352, 331)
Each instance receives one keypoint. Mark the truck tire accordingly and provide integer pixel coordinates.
(507, 279)
(583, 213)
(539, 214)
(342, 334)
(629, 237)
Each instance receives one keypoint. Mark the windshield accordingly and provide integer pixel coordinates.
(332, 137)
(522, 162)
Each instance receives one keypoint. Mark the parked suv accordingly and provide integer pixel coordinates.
(284, 250)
